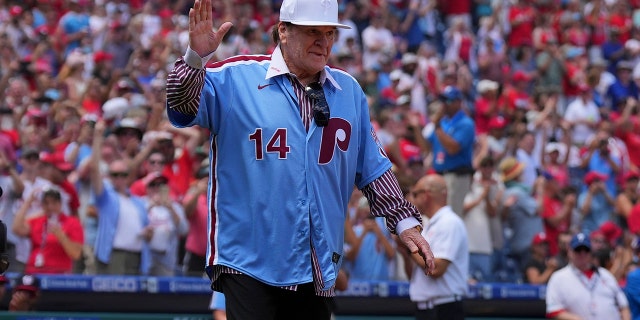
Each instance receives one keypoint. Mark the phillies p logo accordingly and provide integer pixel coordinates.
(336, 133)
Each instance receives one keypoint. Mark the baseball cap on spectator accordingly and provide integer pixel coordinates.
(596, 235)
(593, 176)
(580, 240)
(52, 94)
(408, 58)
(625, 65)
(510, 169)
(311, 13)
(451, 93)
(28, 282)
(128, 124)
(548, 39)
(554, 147)
(395, 75)
(630, 175)
(632, 45)
(42, 66)
(56, 160)
(571, 52)
(164, 135)
(89, 118)
(101, 56)
(540, 238)
(43, 30)
(15, 11)
(486, 85)
(403, 99)
(520, 76)
(76, 57)
(497, 122)
(156, 135)
(599, 62)
(115, 108)
(165, 13)
(124, 84)
(157, 177)
(611, 232)
(116, 25)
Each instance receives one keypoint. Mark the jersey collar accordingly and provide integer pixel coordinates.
(279, 67)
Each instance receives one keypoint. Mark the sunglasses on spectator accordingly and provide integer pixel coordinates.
(156, 184)
(118, 174)
(321, 112)
(581, 250)
(33, 157)
(156, 161)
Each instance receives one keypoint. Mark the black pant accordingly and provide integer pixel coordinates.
(446, 311)
(194, 264)
(248, 299)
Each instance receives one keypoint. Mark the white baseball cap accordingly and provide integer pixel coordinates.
(311, 13)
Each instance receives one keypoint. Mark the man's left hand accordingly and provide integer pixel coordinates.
(416, 243)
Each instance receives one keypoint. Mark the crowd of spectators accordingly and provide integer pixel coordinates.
(551, 85)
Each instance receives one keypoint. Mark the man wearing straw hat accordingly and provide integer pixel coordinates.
(521, 211)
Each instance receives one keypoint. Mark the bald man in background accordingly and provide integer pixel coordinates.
(439, 295)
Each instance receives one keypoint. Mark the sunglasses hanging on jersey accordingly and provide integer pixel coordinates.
(321, 113)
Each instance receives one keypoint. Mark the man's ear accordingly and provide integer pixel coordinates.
(282, 31)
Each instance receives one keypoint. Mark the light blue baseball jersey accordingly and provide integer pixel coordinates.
(276, 188)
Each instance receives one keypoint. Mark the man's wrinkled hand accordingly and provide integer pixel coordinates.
(416, 243)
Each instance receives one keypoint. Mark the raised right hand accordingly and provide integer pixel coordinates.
(202, 38)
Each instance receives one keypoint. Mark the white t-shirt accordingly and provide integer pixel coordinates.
(477, 219)
(597, 298)
(447, 235)
(128, 235)
(577, 111)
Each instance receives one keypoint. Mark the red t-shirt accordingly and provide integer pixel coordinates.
(74, 201)
(570, 89)
(483, 116)
(551, 207)
(521, 33)
(197, 237)
(632, 141)
(55, 259)
(408, 149)
(633, 221)
(621, 22)
(180, 174)
(454, 7)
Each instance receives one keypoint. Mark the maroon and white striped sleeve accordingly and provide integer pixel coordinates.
(386, 200)
(184, 86)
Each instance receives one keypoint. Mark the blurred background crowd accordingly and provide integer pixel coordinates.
(552, 87)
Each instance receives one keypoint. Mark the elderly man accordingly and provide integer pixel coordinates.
(289, 138)
(583, 291)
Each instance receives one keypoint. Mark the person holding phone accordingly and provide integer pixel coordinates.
(168, 221)
(56, 238)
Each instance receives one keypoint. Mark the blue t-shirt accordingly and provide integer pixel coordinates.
(463, 130)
